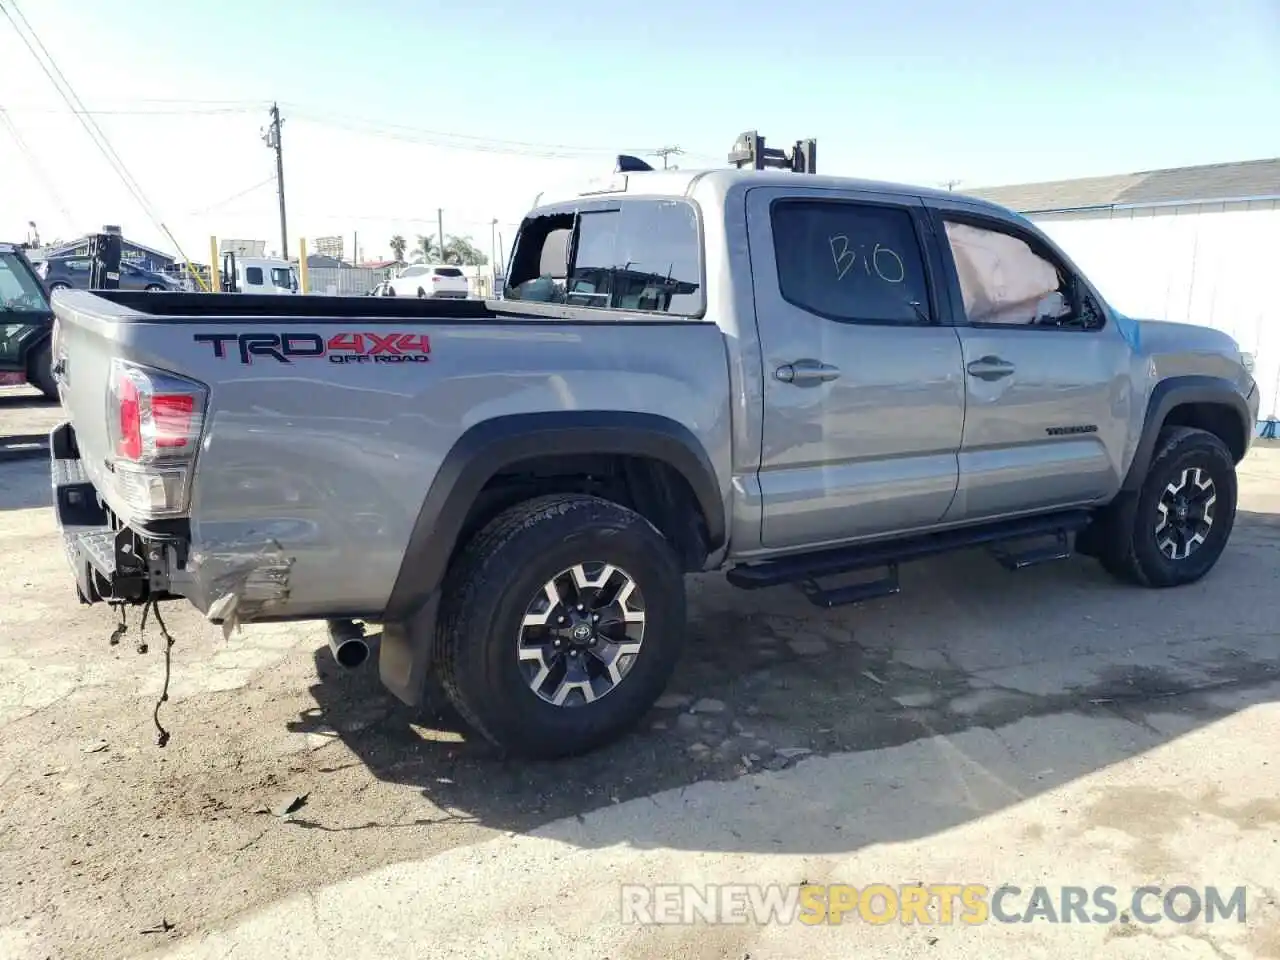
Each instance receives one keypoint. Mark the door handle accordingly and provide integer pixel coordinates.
(990, 368)
(807, 373)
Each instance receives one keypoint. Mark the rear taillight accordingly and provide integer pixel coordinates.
(436, 279)
(155, 420)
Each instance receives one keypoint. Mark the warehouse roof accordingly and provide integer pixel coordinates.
(1250, 180)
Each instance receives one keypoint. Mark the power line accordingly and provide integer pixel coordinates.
(165, 112)
(90, 125)
(36, 168)
(665, 153)
(231, 199)
(456, 140)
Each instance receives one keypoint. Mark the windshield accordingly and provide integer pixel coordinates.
(20, 291)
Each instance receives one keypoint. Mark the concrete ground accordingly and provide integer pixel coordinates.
(1048, 727)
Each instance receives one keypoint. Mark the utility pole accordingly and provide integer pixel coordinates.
(440, 228)
(355, 249)
(951, 184)
(665, 153)
(271, 136)
(493, 252)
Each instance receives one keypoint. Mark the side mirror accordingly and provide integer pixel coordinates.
(1051, 306)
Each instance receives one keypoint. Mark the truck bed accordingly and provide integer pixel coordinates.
(141, 307)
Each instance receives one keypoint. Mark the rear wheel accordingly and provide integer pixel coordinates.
(1174, 529)
(40, 372)
(58, 285)
(154, 288)
(561, 623)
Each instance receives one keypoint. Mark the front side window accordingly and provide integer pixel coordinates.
(850, 261)
(281, 278)
(20, 291)
(413, 271)
(642, 256)
(253, 276)
(1005, 282)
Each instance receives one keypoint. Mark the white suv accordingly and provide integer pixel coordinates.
(428, 280)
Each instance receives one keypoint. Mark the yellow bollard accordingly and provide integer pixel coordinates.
(215, 279)
(302, 265)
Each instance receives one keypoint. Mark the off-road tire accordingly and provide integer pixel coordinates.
(488, 590)
(1125, 542)
(40, 371)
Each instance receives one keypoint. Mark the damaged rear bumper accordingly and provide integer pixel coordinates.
(110, 560)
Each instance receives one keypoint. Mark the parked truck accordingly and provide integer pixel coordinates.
(796, 379)
(25, 323)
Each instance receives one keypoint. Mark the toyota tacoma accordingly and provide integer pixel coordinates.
(797, 379)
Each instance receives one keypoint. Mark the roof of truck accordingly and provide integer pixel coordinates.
(681, 182)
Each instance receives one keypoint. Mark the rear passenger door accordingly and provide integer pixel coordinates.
(863, 383)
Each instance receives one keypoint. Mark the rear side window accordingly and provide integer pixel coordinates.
(850, 261)
(641, 256)
(448, 272)
(253, 276)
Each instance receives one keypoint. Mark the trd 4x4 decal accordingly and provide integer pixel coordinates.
(339, 348)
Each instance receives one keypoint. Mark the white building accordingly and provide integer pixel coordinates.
(1192, 245)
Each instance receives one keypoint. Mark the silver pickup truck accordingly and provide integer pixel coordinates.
(797, 379)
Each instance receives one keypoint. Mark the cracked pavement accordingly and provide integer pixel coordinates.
(1047, 727)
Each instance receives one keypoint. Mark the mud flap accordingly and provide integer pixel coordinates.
(405, 653)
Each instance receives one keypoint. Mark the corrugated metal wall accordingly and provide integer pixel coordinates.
(1215, 269)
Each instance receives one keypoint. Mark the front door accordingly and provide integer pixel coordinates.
(1047, 379)
(863, 386)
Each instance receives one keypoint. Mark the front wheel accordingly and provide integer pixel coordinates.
(1174, 529)
(561, 624)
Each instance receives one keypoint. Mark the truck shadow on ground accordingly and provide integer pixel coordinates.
(959, 665)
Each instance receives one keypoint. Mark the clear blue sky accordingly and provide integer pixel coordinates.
(913, 90)
(993, 91)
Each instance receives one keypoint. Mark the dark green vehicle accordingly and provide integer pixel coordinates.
(26, 322)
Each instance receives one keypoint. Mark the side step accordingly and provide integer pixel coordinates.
(807, 569)
(1059, 549)
(828, 597)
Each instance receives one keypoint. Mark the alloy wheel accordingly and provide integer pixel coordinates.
(581, 634)
(1185, 513)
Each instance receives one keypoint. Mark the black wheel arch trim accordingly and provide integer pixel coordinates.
(1175, 392)
(498, 443)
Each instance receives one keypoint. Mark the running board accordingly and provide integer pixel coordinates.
(1059, 549)
(807, 568)
(829, 597)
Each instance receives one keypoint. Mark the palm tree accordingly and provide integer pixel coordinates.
(398, 247)
(426, 249)
(460, 251)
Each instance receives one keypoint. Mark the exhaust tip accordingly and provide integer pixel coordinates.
(347, 643)
(351, 653)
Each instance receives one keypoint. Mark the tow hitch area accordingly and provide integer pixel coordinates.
(111, 561)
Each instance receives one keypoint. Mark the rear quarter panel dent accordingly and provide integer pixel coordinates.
(328, 465)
